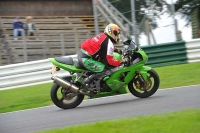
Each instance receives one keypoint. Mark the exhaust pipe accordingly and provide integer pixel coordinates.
(67, 85)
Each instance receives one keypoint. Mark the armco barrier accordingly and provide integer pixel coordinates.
(193, 50)
(26, 74)
(166, 54)
(38, 72)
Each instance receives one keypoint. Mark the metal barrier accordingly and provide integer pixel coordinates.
(38, 72)
(179, 52)
(193, 50)
(26, 74)
(166, 54)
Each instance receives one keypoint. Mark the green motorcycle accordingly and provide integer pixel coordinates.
(142, 81)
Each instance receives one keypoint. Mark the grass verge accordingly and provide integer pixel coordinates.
(25, 98)
(39, 95)
(187, 121)
(179, 75)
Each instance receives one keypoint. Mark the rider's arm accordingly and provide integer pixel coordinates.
(107, 52)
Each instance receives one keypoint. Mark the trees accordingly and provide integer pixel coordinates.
(143, 8)
(154, 8)
(186, 7)
(190, 11)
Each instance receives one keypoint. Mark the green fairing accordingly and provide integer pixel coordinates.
(70, 68)
(115, 84)
(143, 71)
(144, 56)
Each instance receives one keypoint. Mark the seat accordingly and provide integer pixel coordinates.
(65, 60)
(78, 65)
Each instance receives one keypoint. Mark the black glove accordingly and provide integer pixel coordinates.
(118, 50)
(125, 61)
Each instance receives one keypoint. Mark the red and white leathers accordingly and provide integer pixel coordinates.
(101, 47)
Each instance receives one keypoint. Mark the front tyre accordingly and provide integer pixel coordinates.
(143, 91)
(64, 99)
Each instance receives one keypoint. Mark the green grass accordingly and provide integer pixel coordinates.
(179, 75)
(25, 98)
(187, 121)
(39, 95)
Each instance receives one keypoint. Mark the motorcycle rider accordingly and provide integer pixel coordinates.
(99, 49)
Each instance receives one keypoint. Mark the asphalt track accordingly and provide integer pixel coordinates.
(114, 107)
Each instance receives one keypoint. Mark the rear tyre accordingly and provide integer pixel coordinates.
(140, 91)
(59, 98)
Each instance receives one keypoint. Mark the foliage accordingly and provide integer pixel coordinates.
(143, 10)
(152, 10)
(186, 7)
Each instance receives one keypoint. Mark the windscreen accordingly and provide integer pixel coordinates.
(130, 46)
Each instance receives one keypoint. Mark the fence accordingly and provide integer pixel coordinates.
(47, 45)
(38, 72)
(55, 36)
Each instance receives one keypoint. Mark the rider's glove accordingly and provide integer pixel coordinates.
(125, 60)
(117, 50)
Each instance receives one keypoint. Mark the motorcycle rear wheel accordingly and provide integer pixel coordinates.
(60, 101)
(153, 81)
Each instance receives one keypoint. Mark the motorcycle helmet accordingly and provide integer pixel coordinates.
(113, 31)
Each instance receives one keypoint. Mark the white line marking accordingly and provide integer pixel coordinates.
(98, 98)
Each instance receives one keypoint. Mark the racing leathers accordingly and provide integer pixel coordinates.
(93, 52)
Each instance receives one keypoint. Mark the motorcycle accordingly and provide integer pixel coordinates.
(68, 92)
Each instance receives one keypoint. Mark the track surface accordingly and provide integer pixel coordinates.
(127, 105)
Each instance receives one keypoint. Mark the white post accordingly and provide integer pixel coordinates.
(135, 31)
(94, 4)
(175, 21)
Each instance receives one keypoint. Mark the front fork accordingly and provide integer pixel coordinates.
(142, 76)
(143, 72)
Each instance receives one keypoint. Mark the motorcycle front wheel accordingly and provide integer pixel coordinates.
(63, 99)
(143, 91)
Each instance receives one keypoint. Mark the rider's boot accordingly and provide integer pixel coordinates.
(87, 81)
